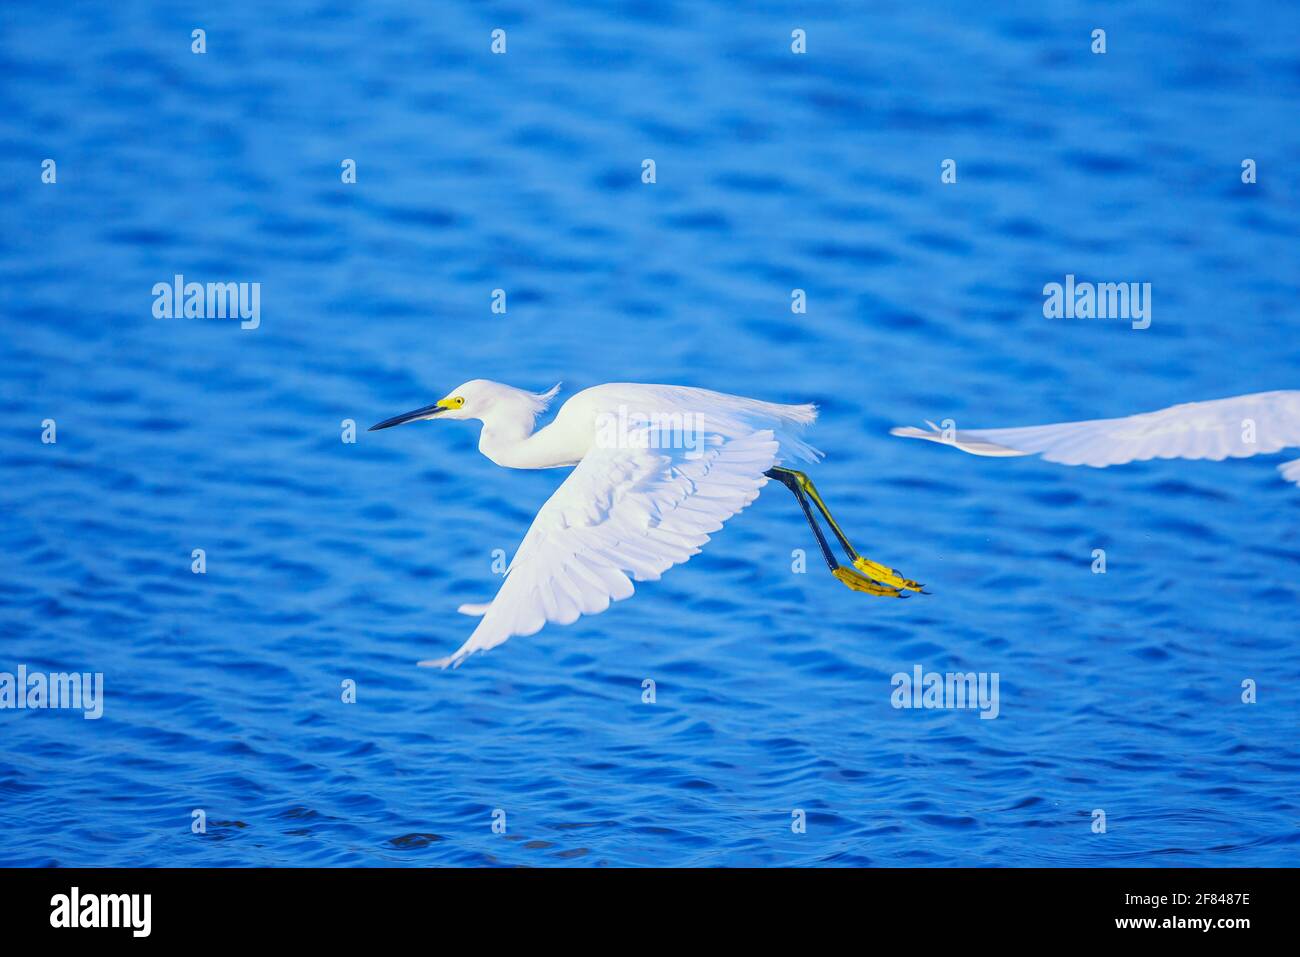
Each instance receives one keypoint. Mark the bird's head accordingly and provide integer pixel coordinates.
(479, 399)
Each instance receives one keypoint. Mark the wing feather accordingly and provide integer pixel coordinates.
(1237, 427)
(1291, 471)
(621, 512)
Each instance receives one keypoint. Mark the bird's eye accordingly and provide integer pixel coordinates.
(458, 401)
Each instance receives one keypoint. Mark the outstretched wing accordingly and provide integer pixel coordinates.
(621, 512)
(1223, 428)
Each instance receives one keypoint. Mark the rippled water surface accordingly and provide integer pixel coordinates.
(329, 561)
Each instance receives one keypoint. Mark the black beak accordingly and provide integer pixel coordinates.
(411, 416)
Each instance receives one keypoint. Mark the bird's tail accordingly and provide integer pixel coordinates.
(793, 447)
(787, 423)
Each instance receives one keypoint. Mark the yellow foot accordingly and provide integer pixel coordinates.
(885, 574)
(855, 581)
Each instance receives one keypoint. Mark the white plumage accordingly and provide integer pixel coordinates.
(621, 513)
(658, 469)
(1237, 427)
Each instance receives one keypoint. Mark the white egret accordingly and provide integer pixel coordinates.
(1237, 427)
(656, 470)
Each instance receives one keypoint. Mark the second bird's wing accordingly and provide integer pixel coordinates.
(621, 512)
(1223, 428)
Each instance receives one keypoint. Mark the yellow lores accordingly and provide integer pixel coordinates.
(657, 469)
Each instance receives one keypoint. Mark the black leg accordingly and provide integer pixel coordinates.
(788, 480)
(802, 482)
(865, 575)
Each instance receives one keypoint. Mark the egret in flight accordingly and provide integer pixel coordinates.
(656, 470)
(1241, 426)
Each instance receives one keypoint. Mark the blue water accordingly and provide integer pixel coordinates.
(329, 561)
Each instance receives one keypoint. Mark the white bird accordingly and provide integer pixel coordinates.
(1238, 427)
(656, 470)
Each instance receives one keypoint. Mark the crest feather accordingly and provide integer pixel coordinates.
(543, 399)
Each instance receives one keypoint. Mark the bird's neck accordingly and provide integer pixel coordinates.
(511, 439)
(513, 444)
